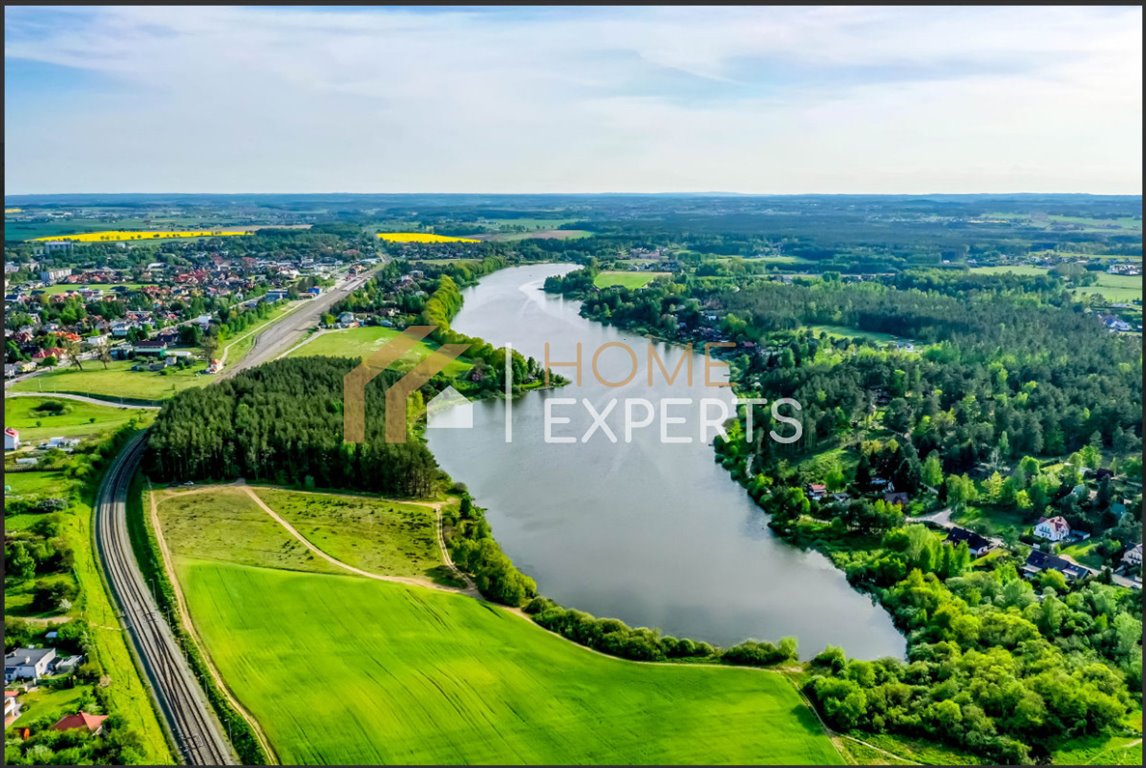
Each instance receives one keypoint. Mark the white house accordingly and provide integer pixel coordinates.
(1133, 556)
(28, 663)
(11, 439)
(1052, 529)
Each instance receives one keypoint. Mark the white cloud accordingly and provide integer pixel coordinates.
(740, 99)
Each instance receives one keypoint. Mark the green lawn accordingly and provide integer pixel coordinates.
(992, 520)
(117, 381)
(36, 483)
(629, 280)
(377, 535)
(361, 342)
(345, 670)
(78, 420)
(49, 704)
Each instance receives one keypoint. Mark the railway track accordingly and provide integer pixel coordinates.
(197, 732)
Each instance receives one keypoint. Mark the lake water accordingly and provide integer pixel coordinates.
(654, 534)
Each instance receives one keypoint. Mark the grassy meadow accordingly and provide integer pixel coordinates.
(363, 341)
(378, 535)
(116, 381)
(630, 280)
(375, 673)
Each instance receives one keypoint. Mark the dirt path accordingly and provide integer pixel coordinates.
(189, 626)
(412, 581)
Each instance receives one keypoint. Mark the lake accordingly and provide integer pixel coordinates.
(656, 534)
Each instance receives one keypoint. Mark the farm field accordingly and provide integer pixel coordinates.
(77, 420)
(629, 280)
(117, 381)
(536, 234)
(378, 535)
(361, 342)
(421, 237)
(119, 235)
(1114, 287)
(417, 676)
(1016, 269)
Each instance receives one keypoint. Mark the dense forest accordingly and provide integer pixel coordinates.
(282, 422)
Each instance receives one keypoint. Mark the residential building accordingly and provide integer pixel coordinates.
(28, 663)
(1133, 556)
(11, 707)
(151, 347)
(92, 723)
(50, 276)
(977, 544)
(1052, 529)
(11, 439)
(1038, 561)
(816, 491)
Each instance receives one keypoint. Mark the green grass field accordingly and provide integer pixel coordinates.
(117, 381)
(1016, 269)
(377, 535)
(81, 420)
(630, 280)
(1114, 288)
(223, 523)
(842, 332)
(345, 670)
(362, 342)
(36, 483)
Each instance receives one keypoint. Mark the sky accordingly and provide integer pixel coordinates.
(781, 100)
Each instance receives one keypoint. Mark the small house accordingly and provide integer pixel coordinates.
(1133, 556)
(93, 724)
(978, 545)
(11, 439)
(1052, 529)
(897, 498)
(816, 491)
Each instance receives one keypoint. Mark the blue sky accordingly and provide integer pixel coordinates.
(767, 100)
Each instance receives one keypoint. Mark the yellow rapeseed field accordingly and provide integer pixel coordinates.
(422, 237)
(13, 210)
(115, 235)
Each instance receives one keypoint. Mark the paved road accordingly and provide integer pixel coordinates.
(197, 733)
(83, 399)
(283, 335)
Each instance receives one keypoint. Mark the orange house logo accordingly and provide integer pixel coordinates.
(354, 383)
